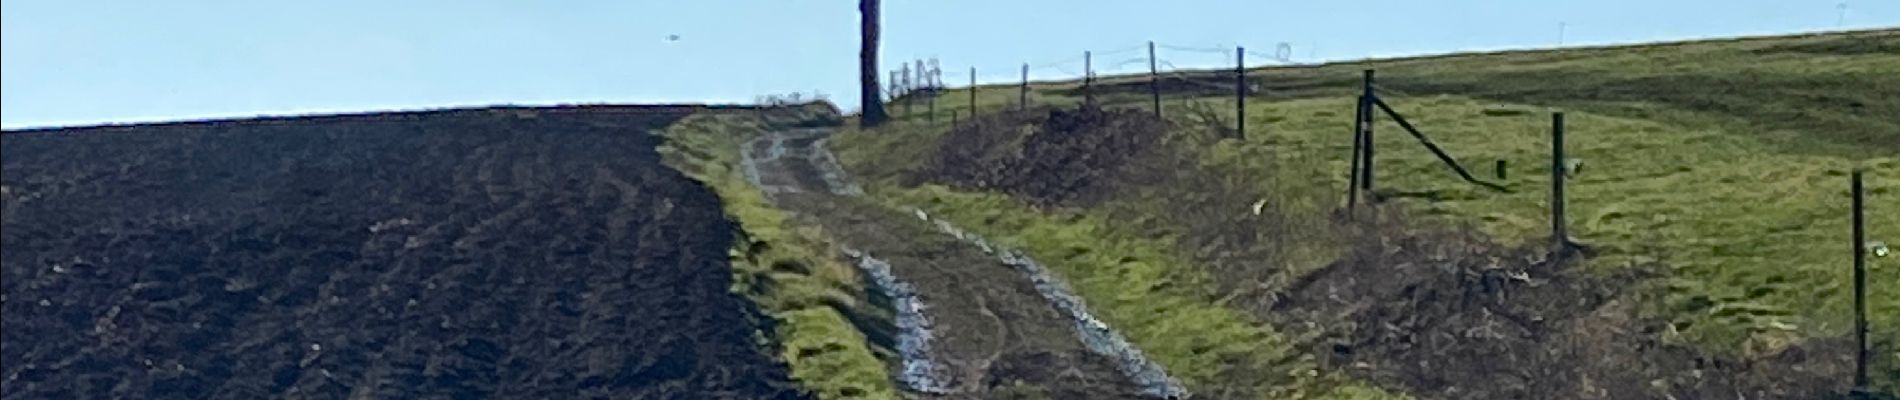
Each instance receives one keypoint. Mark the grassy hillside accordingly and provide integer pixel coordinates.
(1722, 161)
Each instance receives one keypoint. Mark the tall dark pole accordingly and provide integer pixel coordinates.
(1023, 102)
(1860, 286)
(1240, 92)
(1560, 235)
(1366, 160)
(869, 98)
(1088, 78)
(1154, 78)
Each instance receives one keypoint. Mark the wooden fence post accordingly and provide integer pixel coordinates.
(1240, 92)
(972, 92)
(1366, 162)
(1088, 78)
(1560, 235)
(1154, 78)
(1860, 286)
(1023, 102)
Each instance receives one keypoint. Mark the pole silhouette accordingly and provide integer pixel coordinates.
(869, 99)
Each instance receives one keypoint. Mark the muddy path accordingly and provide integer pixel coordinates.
(979, 327)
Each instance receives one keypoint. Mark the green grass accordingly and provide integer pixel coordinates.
(1142, 291)
(1725, 161)
(1823, 94)
(786, 268)
(1134, 283)
(1755, 237)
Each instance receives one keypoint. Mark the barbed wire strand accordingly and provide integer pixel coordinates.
(1175, 71)
(1078, 57)
(1057, 67)
(1200, 82)
(1272, 59)
(1216, 71)
(1122, 63)
(1058, 64)
(1065, 61)
(1066, 71)
(1121, 50)
(1195, 49)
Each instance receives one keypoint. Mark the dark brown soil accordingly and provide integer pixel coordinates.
(1454, 316)
(1060, 161)
(1139, 161)
(502, 253)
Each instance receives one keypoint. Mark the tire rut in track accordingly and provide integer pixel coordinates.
(990, 328)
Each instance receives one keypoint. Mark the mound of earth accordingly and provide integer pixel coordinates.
(1047, 156)
(1455, 316)
(513, 253)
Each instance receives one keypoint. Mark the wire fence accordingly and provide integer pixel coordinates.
(1199, 71)
(917, 86)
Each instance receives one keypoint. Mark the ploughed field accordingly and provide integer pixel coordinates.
(510, 252)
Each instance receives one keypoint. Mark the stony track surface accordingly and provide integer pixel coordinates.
(991, 331)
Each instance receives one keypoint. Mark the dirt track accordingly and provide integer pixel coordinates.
(507, 253)
(991, 328)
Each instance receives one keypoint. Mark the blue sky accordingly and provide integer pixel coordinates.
(71, 62)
